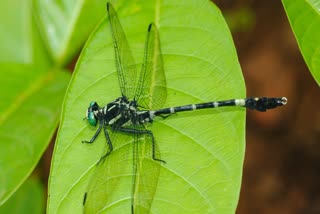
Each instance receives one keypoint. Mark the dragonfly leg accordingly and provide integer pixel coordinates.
(145, 132)
(108, 141)
(94, 136)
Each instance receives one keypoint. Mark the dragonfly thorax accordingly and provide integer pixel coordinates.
(120, 112)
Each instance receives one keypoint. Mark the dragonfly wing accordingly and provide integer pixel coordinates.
(151, 90)
(127, 178)
(125, 64)
(146, 173)
(110, 185)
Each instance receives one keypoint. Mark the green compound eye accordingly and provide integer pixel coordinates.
(91, 118)
(92, 104)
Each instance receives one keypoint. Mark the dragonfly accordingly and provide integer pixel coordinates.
(143, 93)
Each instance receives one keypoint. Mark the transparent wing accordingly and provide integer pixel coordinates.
(151, 92)
(125, 64)
(110, 185)
(126, 179)
(145, 176)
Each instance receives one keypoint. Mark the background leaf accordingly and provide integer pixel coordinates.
(29, 116)
(66, 25)
(21, 200)
(304, 18)
(31, 94)
(203, 150)
(20, 40)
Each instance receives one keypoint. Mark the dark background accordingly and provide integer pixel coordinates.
(282, 162)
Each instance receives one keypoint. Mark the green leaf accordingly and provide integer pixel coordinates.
(20, 40)
(204, 149)
(30, 107)
(65, 25)
(304, 18)
(29, 197)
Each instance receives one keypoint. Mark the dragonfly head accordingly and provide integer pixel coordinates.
(91, 113)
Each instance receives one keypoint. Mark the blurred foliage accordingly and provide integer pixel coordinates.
(30, 114)
(66, 25)
(32, 90)
(304, 18)
(29, 198)
(240, 19)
